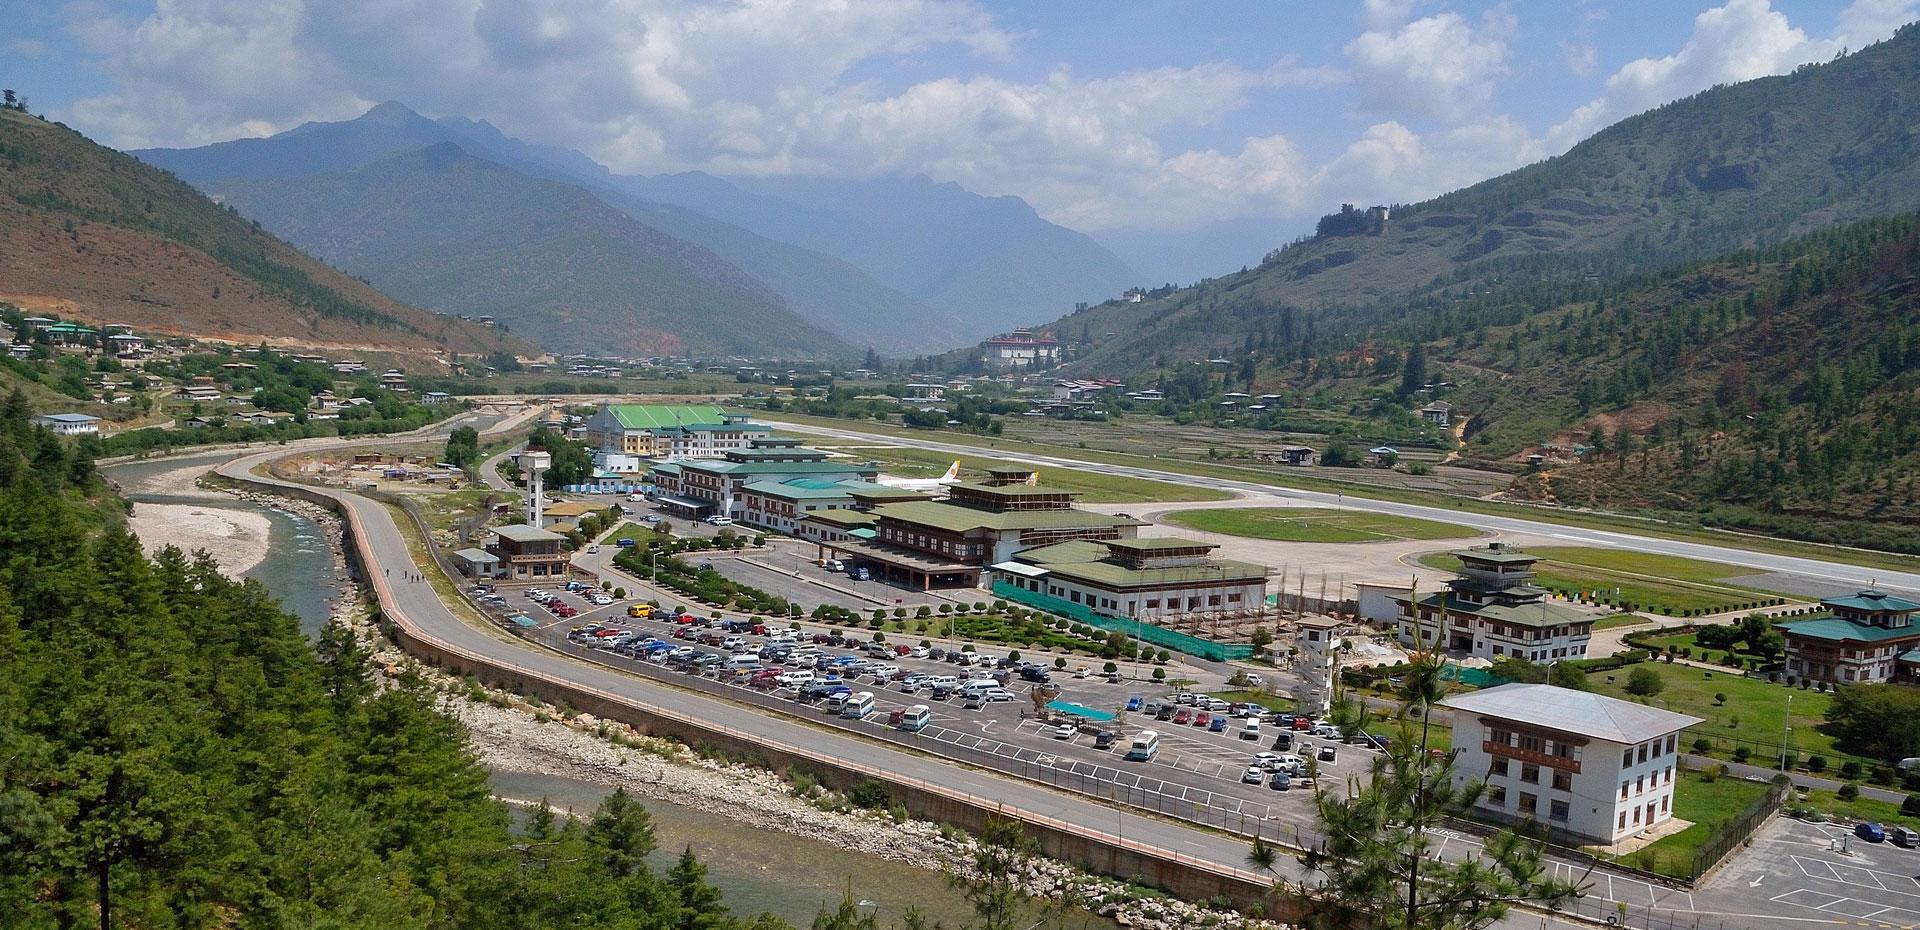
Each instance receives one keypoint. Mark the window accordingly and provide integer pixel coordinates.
(1530, 773)
(1643, 752)
(1499, 766)
(1497, 796)
(1528, 803)
(1669, 774)
(1636, 816)
(1638, 787)
(1533, 744)
(1663, 805)
(1627, 758)
(1562, 780)
(1623, 790)
(1557, 810)
(1670, 742)
(1623, 820)
(1499, 737)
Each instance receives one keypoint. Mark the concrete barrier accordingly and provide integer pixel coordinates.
(1102, 853)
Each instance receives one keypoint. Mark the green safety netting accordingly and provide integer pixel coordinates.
(1145, 632)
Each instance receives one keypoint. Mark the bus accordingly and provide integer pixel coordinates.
(913, 719)
(858, 706)
(1146, 745)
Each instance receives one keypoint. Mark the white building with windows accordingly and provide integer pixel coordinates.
(1591, 768)
(69, 424)
(1493, 609)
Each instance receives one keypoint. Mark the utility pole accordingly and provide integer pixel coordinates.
(1786, 730)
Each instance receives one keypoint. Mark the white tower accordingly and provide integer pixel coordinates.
(534, 464)
(1316, 664)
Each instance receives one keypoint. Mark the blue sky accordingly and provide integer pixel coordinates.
(1120, 118)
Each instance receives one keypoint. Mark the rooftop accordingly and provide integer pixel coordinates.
(521, 532)
(1537, 614)
(961, 519)
(664, 416)
(1837, 629)
(1569, 711)
(70, 417)
(1494, 552)
(1873, 602)
(571, 509)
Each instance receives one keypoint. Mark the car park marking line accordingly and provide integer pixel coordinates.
(1839, 872)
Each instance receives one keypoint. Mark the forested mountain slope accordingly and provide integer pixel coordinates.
(450, 230)
(95, 235)
(1733, 167)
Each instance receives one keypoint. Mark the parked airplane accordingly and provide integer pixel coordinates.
(925, 484)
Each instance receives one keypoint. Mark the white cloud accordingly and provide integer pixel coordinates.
(1390, 162)
(1740, 41)
(1438, 66)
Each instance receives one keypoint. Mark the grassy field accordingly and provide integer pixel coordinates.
(1314, 524)
(1625, 522)
(1755, 710)
(445, 509)
(1650, 582)
(1618, 620)
(1710, 806)
(1872, 810)
(1093, 488)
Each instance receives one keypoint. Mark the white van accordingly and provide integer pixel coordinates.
(1145, 745)
(796, 678)
(1250, 729)
(744, 660)
(916, 718)
(858, 705)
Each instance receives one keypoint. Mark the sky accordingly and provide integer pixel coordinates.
(1113, 117)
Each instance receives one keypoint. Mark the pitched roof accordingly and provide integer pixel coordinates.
(1837, 629)
(1537, 614)
(665, 416)
(1570, 711)
(961, 519)
(521, 532)
(1872, 601)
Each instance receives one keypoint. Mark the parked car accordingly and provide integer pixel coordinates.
(624, 542)
(1871, 832)
(1219, 725)
(1133, 703)
(997, 695)
(1253, 775)
(1903, 837)
(1202, 719)
(1105, 739)
(1327, 753)
(1183, 716)
(1064, 731)
(1280, 781)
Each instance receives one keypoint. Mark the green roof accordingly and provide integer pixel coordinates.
(1543, 613)
(1151, 543)
(658, 416)
(1016, 490)
(1107, 574)
(957, 519)
(666, 468)
(1835, 629)
(805, 489)
(1073, 550)
(1873, 602)
(1489, 554)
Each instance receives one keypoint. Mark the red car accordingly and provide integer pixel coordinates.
(1183, 717)
(1202, 719)
(1302, 723)
(683, 618)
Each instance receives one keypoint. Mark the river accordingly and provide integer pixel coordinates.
(789, 876)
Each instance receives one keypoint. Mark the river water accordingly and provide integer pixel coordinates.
(789, 876)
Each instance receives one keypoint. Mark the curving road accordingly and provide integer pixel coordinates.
(1823, 570)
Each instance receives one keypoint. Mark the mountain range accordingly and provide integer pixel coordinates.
(904, 265)
(91, 234)
(1734, 167)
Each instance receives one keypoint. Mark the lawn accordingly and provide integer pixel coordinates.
(1271, 702)
(1650, 582)
(1710, 806)
(1755, 710)
(444, 510)
(1315, 524)
(1618, 620)
(1871, 810)
(1093, 488)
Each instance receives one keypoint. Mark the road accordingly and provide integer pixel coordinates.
(1830, 571)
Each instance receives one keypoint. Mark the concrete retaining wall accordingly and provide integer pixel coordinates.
(1101, 853)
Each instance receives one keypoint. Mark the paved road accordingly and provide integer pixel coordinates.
(1829, 571)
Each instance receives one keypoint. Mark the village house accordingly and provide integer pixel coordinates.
(69, 424)
(1493, 609)
(1866, 637)
(1438, 413)
(528, 553)
(1022, 348)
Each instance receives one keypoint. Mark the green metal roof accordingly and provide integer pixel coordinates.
(956, 519)
(806, 489)
(1071, 551)
(841, 516)
(1542, 613)
(1834, 629)
(1151, 543)
(1107, 574)
(1871, 601)
(1016, 490)
(658, 416)
(1486, 554)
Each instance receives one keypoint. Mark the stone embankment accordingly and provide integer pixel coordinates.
(512, 733)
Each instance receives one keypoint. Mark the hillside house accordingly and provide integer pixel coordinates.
(69, 424)
(1438, 413)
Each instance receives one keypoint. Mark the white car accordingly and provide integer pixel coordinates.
(1064, 731)
(919, 652)
(996, 695)
(1254, 775)
(718, 521)
(881, 669)
(602, 599)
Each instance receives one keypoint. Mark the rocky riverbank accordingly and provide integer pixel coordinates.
(515, 734)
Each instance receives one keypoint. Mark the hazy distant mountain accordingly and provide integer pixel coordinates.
(1214, 249)
(992, 261)
(826, 291)
(91, 234)
(449, 230)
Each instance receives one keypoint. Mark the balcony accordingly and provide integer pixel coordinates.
(1564, 763)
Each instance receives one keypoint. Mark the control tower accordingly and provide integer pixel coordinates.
(534, 464)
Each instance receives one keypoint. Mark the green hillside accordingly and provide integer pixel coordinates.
(559, 266)
(1734, 167)
(94, 235)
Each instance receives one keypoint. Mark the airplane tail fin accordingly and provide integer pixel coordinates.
(1033, 480)
(953, 471)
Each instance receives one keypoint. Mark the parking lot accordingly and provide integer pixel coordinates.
(1820, 872)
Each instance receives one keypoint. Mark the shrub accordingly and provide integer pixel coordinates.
(1850, 770)
(1110, 668)
(1159, 674)
(1059, 661)
(870, 794)
(1911, 806)
(1702, 746)
(1848, 792)
(1816, 764)
(1741, 754)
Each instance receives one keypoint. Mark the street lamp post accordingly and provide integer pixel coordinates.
(1786, 729)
